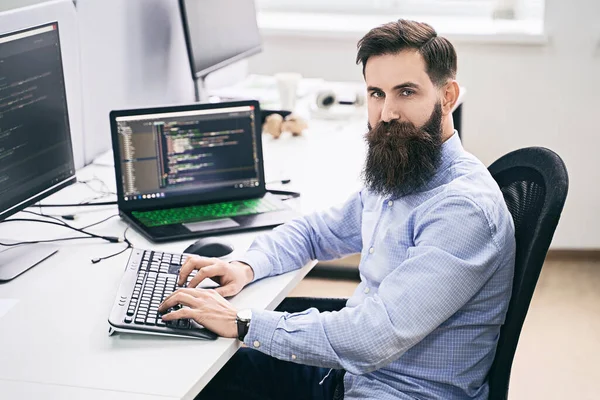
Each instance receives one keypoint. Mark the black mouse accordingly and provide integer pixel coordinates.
(210, 247)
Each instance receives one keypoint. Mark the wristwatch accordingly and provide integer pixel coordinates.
(243, 322)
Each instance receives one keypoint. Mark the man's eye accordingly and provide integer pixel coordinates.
(407, 93)
(376, 95)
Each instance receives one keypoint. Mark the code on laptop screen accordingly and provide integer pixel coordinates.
(184, 152)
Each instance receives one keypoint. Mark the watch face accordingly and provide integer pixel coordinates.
(245, 315)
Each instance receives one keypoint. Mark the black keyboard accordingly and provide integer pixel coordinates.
(150, 277)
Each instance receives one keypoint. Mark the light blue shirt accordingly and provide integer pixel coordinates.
(436, 275)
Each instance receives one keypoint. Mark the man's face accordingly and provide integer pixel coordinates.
(399, 88)
(405, 124)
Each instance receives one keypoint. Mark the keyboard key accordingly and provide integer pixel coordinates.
(184, 324)
(128, 320)
(150, 321)
(140, 320)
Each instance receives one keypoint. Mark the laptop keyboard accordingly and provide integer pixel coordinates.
(206, 212)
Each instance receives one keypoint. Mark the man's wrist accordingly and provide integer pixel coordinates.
(247, 269)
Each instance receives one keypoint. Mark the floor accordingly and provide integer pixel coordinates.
(559, 350)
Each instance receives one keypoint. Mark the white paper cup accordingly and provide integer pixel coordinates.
(287, 84)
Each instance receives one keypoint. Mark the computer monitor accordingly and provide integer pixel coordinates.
(218, 33)
(36, 154)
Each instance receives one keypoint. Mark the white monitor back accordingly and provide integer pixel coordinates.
(62, 11)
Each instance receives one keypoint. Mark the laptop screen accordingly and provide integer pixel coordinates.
(188, 152)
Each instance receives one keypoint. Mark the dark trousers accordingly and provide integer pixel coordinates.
(252, 375)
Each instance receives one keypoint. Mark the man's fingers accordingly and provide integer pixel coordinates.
(207, 272)
(179, 314)
(191, 264)
(179, 297)
(190, 291)
(227, 290)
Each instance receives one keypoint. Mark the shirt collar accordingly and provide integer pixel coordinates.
(451, 149)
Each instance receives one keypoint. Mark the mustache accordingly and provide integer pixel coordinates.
(398, 132)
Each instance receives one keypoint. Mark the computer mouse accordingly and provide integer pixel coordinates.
(210, 247)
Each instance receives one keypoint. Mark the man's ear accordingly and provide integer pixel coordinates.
(450, 92)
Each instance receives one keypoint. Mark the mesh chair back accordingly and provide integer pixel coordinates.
(534, 182)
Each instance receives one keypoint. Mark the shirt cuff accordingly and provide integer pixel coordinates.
(259, 263)
(262, 328)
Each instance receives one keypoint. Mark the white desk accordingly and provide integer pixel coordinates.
(54, 341)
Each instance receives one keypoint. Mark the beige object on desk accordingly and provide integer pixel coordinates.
(275, 124)
(294, 124)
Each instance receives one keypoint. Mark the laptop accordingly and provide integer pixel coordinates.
(193, 170)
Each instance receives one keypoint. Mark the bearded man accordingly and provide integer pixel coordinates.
(437, 256)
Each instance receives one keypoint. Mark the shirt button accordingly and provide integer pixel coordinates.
(390, 203)
(293, 356)
(256, 344)
(367, 290)
(371, 250)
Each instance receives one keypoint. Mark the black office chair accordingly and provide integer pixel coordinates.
(534, 182)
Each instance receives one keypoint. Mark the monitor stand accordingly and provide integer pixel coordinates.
(14, 260)
(200, 91)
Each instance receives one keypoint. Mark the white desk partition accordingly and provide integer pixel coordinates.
(133, 54)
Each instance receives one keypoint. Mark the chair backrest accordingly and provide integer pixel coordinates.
(534, 182)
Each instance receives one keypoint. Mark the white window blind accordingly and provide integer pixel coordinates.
(507, 9)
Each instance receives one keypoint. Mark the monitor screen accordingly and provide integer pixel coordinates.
(188, 153)
(36, 155)
(219, 32)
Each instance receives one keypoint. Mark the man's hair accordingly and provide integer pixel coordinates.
(394, 37)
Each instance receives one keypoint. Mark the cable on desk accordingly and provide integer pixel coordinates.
(99, 222)
(289, 194)
(129, 246)
(105, 190)
(93, 260)
(45, 240)
(112, 239)
(100, 203)
(282, 181)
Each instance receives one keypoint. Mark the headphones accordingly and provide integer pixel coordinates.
(332, 105)
(328, 98)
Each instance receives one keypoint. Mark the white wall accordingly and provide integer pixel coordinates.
(518, 96)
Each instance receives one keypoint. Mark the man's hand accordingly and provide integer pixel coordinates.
(206, 307)
(231, 276)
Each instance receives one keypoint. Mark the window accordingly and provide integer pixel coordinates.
(504, 9)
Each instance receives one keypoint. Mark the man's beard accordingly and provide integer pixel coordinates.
(401, 157)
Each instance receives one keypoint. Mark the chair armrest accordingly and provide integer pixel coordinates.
(297, 304)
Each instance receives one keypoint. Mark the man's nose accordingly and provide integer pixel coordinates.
(389, 112)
